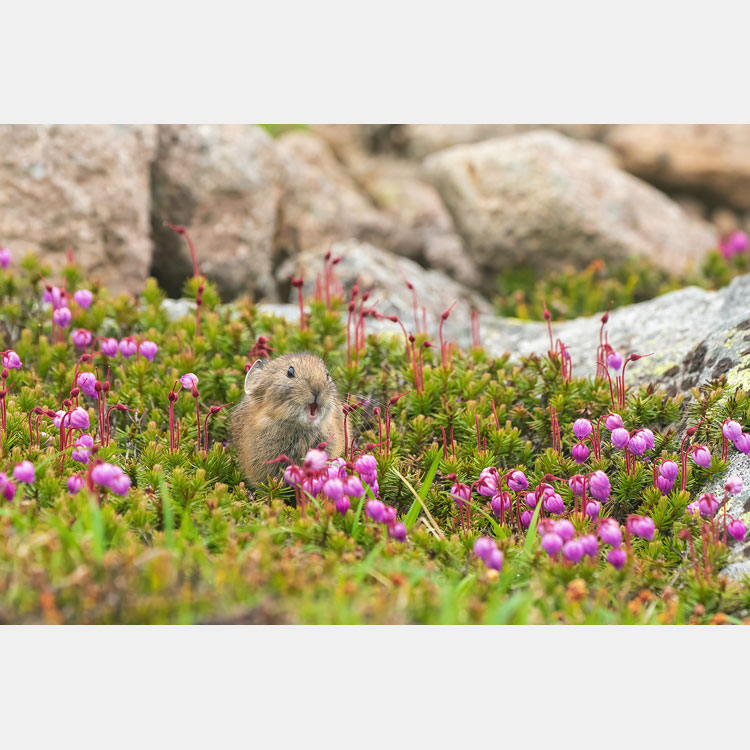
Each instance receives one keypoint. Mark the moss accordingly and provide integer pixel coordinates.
(190, 543)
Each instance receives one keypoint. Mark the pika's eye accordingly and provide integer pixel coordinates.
(328, 374)
(290, 372)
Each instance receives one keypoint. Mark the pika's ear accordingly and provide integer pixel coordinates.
(252, 374)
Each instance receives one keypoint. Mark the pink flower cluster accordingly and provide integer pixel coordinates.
(112, 477)
(128, 347)
(341, 481)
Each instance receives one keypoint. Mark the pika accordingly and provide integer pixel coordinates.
(291, 404)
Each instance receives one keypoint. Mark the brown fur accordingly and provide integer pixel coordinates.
(273, 417)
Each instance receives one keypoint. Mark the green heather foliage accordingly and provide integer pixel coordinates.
(575, 292)
(189, 543)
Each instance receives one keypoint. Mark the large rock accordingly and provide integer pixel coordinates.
(709, 160)
(83, 188)
(223, 182)
(321, 202)
(423, 228)
(384, 275)
(545, 200)
(693, 336)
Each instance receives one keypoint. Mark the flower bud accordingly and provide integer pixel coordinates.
(702, 456)
(733, 485)
(610, 533)
(24, 472)
(517, 481)
(397, 531)
(669, 470)
(613, 421)
(620, 437)
(599, 486)
(580, 452)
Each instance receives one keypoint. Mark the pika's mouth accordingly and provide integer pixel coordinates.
(313, 409)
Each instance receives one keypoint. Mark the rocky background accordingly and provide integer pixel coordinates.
(465, 201)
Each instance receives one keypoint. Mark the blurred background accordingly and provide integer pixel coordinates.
(501, 215)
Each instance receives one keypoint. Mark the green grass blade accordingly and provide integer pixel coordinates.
(166, 505)
(414, 510)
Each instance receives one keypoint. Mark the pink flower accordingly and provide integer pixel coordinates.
(565, 529)
(641, 526)
(517, 480)
(353, 487)
(599, 486)
(617, 557)
(582, 428)
(554, 504)
(148, 349)
(61, 316)
(84, 298)
(487, 482)
(24, 472)
(4, 257)
(613, 421)
(315, 460)
(590, 545)
(708, 505)
(375, 510)
(742, 443)
(120, 484)
(461, 493)
(552, 543)
(398, 531)
(81, 338)
(619, 437)
(701, 455)
(128, 347)
(80, 454)
(75, 483)
(342, 505)
(733, 485)
(573, 550)
(737, 530)
(731, 430)
(7, 488)
(11, 360)
(78, 419)
(609, 532)
(614, 360)
(109, 347)
(500, 502)
(189, 381)
(580, 452)
(735, 244)
(593, 508)
(669, 469)
(87, 383)
(334, 488)
(104, 474)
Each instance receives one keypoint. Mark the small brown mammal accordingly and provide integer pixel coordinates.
(291, 405)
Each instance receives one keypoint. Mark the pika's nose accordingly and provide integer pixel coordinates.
(315, 395)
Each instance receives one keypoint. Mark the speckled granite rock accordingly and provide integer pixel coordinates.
(694, 335)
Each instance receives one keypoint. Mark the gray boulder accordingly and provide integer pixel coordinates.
(223, 183)
(384, 275)
(545, 200)
(693, 334)
(79, 188)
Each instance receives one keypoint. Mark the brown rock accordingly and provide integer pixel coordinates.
(79, 187)
(710, 160)
(222, 182)
(545, 200)
(321, 203)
